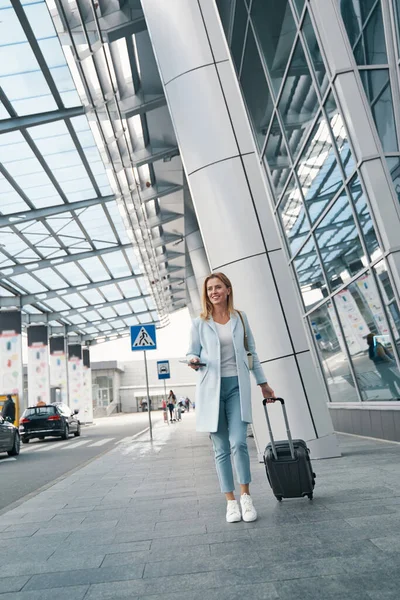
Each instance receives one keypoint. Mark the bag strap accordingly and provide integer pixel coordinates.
(245, 341)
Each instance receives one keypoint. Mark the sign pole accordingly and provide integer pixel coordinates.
(148, 394)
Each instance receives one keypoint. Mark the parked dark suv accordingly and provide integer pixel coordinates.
(49, 420)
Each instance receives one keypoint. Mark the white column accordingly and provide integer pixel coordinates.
(197, 253)
(87, 411)
(233, 209)
(75, 377)
(58, 366)
(11, 369)
(38, 365)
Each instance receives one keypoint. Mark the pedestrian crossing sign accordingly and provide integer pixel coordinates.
(143, 337)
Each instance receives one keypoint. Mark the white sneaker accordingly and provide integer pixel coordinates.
(232, 512)
(249, 513)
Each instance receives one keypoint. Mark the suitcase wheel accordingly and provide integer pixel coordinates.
(279, 498)
(310, 496)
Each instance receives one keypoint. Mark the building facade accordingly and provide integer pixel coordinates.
(321, 85)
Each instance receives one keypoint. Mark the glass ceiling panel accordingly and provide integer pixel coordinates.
(129, 288)
(138, 305)
(111, 292)
(123, 309)
(73, 273)
(51, 278)
(93, 296)
(96, 224)
(29, 283)
(94, 267)
(57, 304)
(117, 264)
(107, 313)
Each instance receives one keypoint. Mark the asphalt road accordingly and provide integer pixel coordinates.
(42, 462)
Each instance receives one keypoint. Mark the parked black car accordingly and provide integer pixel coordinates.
(9, 438)
(49, 420)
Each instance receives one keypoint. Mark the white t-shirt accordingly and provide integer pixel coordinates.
(228, 358)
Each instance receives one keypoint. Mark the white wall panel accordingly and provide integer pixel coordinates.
(226, 219)
(261, 199)
(312, 380)
(287, 292)
(175, 53)
(214, 29)
(196, 121)
(236, 108)
(255, 293)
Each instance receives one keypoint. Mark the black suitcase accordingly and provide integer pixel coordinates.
(288, 463)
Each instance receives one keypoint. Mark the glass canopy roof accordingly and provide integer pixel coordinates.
(83, 235)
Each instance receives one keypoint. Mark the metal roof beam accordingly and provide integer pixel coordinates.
(135, 105)
(57, 262)
(150, 155)
(27, 299)
(164, 217)
(43, 213)
(159, 191)
(46, 317)
(16, 123)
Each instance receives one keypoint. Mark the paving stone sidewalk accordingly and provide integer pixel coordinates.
(146, 521)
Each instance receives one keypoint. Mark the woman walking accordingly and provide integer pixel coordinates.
(221, 338)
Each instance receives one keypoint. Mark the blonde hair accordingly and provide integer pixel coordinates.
(206, 303)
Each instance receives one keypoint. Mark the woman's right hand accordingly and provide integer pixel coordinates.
(192, 364)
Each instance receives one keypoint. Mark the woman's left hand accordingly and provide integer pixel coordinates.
(267, 391)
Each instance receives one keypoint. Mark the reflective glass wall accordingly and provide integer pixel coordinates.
(320, 202)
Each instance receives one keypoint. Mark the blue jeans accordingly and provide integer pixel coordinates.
(231, 437)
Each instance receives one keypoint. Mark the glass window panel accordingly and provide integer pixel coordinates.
(354, 14)
(371, 48)
(27, 86)
(361, 313)
(309, 275)
(318, 173)
(315, 53)
(339, 244)
(129, 288)
(340, 135)
(299, 5)
(393, 164)
(331, 349)
(389, 299)
(276, 157)
(238, 32)
(275, 28)
(294, 219)
(138, 305)
(364, 218)
(377, 87)
(111, 292)
(73, 274)
(225, 8)
(298, 104)
(252, 78)
(94, 268)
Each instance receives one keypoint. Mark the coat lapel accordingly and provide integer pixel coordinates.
(234, 320)
(210, 323)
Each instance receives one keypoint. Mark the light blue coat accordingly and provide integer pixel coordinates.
(204, 344)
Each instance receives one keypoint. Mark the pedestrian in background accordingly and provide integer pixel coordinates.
(8, 411)
(171, 404)
(221, 338)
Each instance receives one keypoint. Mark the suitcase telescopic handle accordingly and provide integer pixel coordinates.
(288, 433)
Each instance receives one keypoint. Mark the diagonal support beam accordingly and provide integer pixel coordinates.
(57, 262)
(50, 211)
(163, 217)
(16, 123)
(28, 319)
